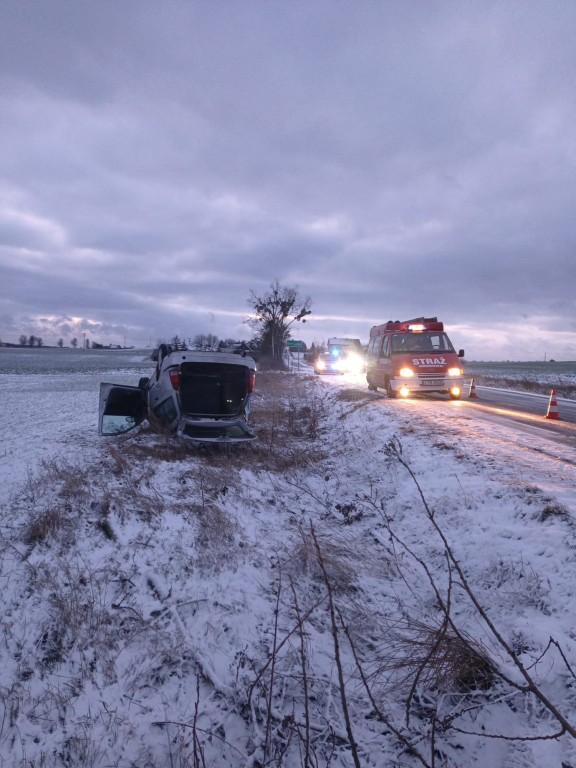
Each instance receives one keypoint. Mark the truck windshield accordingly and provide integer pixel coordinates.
(430, 341)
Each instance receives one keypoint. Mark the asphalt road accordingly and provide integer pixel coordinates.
(526, 409)
(523, 402)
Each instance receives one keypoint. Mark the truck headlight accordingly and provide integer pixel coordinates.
(405, 372)
(455, 372)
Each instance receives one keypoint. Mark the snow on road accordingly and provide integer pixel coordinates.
(152, 595)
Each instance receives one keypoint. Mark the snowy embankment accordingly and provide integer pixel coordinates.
(359, 586)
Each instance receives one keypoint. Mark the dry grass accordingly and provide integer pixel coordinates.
(340, 557)
(79, 608)
(355, 395)
(55, 497)
(43, 525)
(554, 510)
(432, 656)
(147, 444)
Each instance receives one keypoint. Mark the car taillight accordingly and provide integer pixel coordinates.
(251, 382)
(174, 374)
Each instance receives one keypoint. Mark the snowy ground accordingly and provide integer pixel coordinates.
(175, 607)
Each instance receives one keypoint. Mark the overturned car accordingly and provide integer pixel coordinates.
(204, 397)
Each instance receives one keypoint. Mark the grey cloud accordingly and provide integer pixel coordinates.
(391, 159)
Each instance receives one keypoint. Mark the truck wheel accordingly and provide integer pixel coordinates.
(389, 391)
(371, 386)
(454, 397)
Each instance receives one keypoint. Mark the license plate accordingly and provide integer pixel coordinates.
(435, 383)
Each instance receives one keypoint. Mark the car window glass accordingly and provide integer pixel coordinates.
(114, 425)
(212, 389)
(166, 411)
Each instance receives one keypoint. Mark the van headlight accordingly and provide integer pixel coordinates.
(406, 372)
(355, 364)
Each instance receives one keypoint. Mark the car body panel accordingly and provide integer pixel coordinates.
(204, 397)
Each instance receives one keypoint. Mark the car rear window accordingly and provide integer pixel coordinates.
(213, 389)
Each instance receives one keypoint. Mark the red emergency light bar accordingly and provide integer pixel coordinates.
(415, 325)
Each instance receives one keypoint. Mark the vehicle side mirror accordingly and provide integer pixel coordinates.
(461, 353)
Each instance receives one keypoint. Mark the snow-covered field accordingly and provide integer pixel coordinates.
(369, 583)
(537, 377)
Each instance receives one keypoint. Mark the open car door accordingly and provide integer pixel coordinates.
(121, 408)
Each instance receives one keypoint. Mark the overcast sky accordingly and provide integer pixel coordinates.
(160, 159)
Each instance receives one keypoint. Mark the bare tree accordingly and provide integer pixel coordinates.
(274, 313)
(60, 343)
(206, 341)
(31, 340)
(178, 343)
(23, 340)
(74, 342)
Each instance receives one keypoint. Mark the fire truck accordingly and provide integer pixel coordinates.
(413, 356)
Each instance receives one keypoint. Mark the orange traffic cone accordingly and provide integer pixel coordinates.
(553, 407)
(472, 392)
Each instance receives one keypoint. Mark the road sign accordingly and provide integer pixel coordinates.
(294, 344)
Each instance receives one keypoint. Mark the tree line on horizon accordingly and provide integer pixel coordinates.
(273, 314)
(37, 341)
